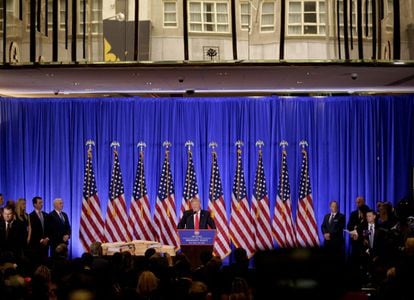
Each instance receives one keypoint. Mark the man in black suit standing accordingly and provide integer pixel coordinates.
(332, 228)
(196, 218)
(39, 240)
(12, 238)
(60, 229)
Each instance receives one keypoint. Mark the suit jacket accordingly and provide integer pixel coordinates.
(38, 232)
(187, 221)
(363, 236)
(354, 220)
(58, 228)
(15, 240)
(335, 228)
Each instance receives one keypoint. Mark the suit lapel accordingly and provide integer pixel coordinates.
(202, 221)
(191, 222)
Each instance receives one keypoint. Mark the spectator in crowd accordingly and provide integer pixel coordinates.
(147, 287)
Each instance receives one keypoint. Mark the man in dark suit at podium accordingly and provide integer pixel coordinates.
(196, 218)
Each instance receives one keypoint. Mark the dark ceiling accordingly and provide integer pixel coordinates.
(200, 79)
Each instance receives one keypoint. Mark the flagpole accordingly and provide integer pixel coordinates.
(167, 144)
(114, 145)
(259, 144)
(188, 144)
(239, 144)
(304, 144)
(90, 143)
(141, 145)
(213, 145)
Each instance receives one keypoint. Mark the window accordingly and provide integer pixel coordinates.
(367, 5)
(355, 18)
(50, 15)
(170, 14)
(268, 17)
(62, 15)
(93, 17)
(245, 16)
(209, 16)
(12, 8)
(306, 17)
(390, 16)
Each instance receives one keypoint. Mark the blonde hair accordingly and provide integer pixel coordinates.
(20, 213)
(147, 283)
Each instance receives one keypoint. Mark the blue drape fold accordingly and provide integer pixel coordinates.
(357, 145)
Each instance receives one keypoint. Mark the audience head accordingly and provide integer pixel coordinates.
(147, 283)
(61, 250)
(205, 257)
(43, 272)
(149, 252)
(87, 260)
(409, 246)
(198, 290)
(240, 255)
(96, 249)
(1, 199)
(81, 294)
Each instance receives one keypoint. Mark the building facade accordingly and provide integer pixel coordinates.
(205, 30)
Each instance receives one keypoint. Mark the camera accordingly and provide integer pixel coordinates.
(354, 76)
(180, 80)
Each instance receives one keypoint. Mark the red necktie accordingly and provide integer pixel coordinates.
(197, 222)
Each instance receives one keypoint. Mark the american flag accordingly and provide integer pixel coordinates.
(190, 185)
(283, 229)
(91, 221)
(116, 221)
(217, 207)
(241, 226)
(140, 220)
(307, 230)
(261, 210)
(165, 217)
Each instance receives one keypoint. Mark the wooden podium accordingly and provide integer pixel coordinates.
(194, 242)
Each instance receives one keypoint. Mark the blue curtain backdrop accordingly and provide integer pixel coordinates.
(357, 146)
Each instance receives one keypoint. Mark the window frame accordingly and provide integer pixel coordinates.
(261, 17)
(318, 24)
(169, 12)
(203, 23)
(243, 14)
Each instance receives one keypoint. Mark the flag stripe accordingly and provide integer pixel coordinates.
(116, 221)
(217, 207)
(91, 222)
(307, 230)
(283, 226)
(140, 221)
